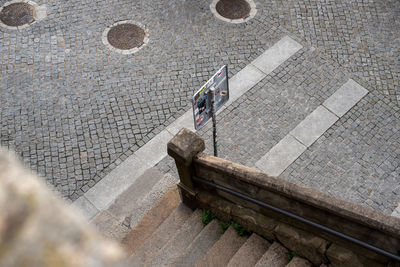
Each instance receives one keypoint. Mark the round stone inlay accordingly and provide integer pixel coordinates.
(17, 14)
(233, 9)
(126, 36)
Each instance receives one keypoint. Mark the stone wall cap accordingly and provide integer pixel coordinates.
(340, 207)
(185, 145)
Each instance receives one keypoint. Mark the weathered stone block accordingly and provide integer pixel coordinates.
(342, 257)
(303, 243)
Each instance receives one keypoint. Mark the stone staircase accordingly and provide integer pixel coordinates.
(171, 234)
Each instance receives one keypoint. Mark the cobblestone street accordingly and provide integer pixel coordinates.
(74, 110)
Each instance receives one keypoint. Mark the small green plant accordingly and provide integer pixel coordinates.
(225, 225)
(240, 230)
(207, 217)
(291, 255)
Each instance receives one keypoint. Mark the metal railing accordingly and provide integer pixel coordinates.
(301, 219)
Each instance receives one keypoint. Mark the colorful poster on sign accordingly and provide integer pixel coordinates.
(202, 98)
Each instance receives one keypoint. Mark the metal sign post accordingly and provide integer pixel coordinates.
(214, 120)
(209, 99)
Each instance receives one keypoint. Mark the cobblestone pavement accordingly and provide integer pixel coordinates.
(362, 35)
(74, 110)
(356, 159)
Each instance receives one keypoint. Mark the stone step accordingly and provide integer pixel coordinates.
(250, 252)
(223, 250)
(151, 221)
(276, 256)
(178, 243)
(163, 233)
(150, 199)
(299, 262)
(200, 245)
(112, 221)
(131, 197)
(133, 261)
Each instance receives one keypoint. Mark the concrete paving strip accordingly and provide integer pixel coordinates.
(311, 128)
(314, 125)
(101, 195)
(396, 212)
(116, 182)
(86, 207)
(276, 55)
(345, 98)
(281, 156)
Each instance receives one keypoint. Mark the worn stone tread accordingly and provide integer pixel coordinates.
(276, 256)
(250, 252)
(125, 203)
(200, 245)
(150, 222)
(109, 226)
(223, 250)
(299, 262)
(181, 240)
(163, 233)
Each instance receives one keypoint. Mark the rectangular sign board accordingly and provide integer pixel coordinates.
(202, 98)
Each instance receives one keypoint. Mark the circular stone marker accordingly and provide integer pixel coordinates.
(125, 37)
(233, 11)
(17, 14)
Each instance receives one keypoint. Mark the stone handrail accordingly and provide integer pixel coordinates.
(363, 223)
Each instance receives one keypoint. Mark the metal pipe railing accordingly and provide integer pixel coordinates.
(301, 219)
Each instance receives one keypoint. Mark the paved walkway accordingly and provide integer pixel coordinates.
(74, 111)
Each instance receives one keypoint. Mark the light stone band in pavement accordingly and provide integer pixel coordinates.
(101, 195)
(396, 212)
(311, 128)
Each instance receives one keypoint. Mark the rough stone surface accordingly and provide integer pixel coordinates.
(276, 256)
(163, 233)
(200, 245)
(109, 226)
(304, 244)
(223, 249)
(180, 241)
(40, 229)
(339, 256)
(299, 262)
(141, 232)
(250, 252)
(185, 145)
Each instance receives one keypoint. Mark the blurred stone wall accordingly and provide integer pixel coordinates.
(37, 228)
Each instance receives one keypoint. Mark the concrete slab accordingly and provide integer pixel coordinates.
(184, 121)
(154, 150)
(277, 54)
(396, 212)
(116, 182)
(314, 125)
(281, 156)
(345, 98)
(85, 207)
(244, 80)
